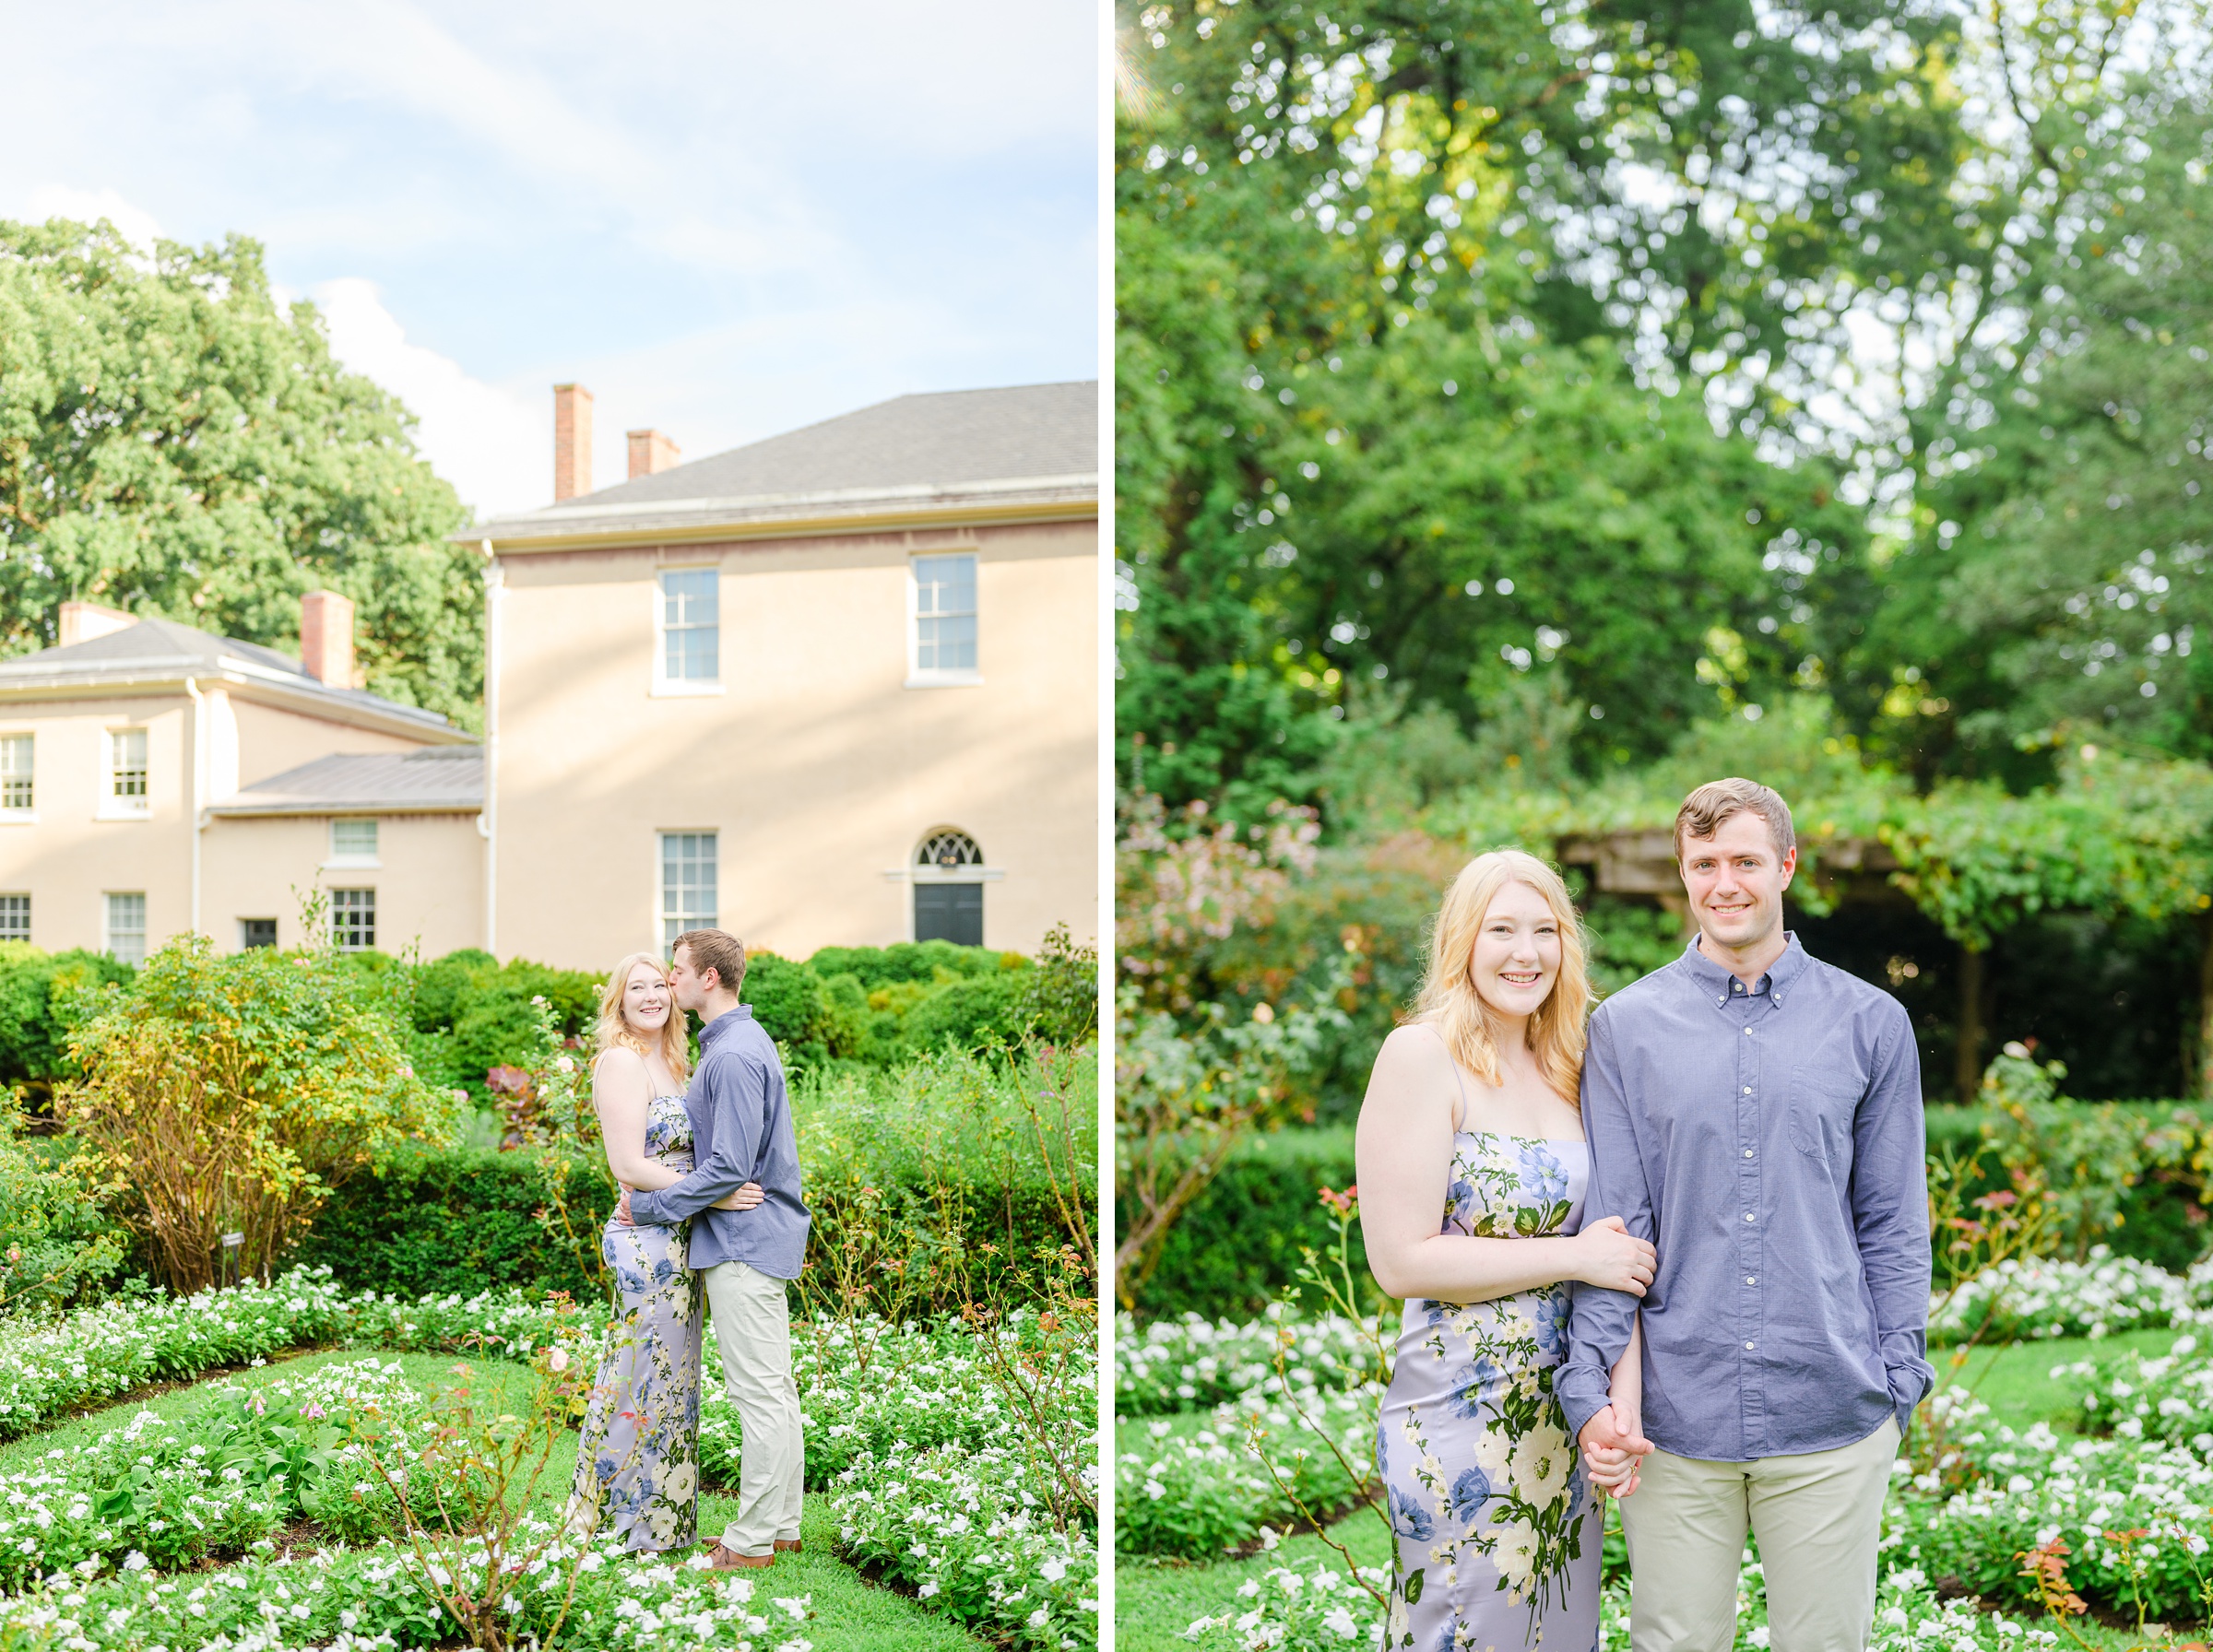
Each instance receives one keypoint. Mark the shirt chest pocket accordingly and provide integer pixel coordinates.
(1823, 1103)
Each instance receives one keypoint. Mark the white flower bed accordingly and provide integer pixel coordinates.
(902, 1424)
(963, 1528)
(349, 1602)
(96, 1353)
(2020, 1302)
(1325, 1611)
(1195, 1494)
(1191, 1363)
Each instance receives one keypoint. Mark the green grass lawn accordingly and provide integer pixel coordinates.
(1155, 1601)
(850, 1614)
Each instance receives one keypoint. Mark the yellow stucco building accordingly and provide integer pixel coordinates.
(838, 687)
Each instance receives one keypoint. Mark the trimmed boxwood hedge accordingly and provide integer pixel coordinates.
(1238, 1245)
(464, 1219)
(440, 1221)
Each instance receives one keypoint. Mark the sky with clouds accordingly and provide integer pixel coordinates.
(725, 220)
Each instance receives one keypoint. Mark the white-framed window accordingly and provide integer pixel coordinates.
(15, 917)
(353, 919)
(690, 643)
(125, 935)
(948, 876)
(17, 796)
(126, 773)
(942, 596)
(687, 892)
(353, 844)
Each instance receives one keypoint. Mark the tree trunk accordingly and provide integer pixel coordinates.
(2201, 1081)
(1968, 1067)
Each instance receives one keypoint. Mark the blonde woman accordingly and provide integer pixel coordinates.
(1473, 1169)
(637, 1460)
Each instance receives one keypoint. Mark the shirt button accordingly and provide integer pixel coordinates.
(1747, 1090)
(1751, 1278)
(1747, 1216)
(1747, 1032)
(1747, 1152)
(1747, 1348)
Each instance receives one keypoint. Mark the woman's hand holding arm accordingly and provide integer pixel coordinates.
(1403, 1148)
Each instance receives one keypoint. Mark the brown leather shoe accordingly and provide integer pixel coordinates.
(787, 1545)
(730, 1559)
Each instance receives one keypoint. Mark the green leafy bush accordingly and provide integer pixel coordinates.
(229, 1094)
(440, 1219)
(2121, 1171)
(59, 1241)
(922, 962)
(925, 1167)
(42, 996)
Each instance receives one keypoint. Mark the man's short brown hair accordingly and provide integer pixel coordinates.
(715, 950)
(1718, 800)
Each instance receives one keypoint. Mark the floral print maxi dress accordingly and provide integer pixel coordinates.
(1498, 1535)
(638, 1461)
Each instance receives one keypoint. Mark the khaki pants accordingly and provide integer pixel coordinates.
(1817, 1518)
(752, 1330)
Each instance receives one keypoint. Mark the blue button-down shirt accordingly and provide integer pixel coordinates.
(1769, 1143)
(741, 1132)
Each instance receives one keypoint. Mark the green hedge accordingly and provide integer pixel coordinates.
(1238, 1245)
(914, 1172)
(441, 1220)
(465, 1220)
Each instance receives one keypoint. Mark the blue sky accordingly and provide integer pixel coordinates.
(726, 221)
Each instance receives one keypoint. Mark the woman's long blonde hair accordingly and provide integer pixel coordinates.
(1449, 999)
(615, 1031)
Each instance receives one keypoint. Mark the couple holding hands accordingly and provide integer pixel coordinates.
(1688, 1233)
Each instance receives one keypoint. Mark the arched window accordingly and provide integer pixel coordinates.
(949, 888)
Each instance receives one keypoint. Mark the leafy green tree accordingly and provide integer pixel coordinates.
(1323, 223)
(2078, 577)
(174, 442)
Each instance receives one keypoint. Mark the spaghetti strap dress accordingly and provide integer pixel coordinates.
(637, 1455)
(1496, 1537)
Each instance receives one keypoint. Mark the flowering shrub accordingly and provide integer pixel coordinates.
(2127, 1516)
(1188, 1363)
(1325, 1611)
(1292, 1611)
(47, 1366)
(170, 1494)
(1195, 1494)
(2019, 1302)
(353, 1600)
(2168, 1397)
(958, 1524)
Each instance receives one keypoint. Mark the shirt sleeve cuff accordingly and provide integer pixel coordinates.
(645, 1211)
(1582, 1394)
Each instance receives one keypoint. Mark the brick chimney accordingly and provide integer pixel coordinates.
(81, 621)
(650, 451)
(327, 638)
(572, 441)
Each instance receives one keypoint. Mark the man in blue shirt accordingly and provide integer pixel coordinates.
(741, 1132)
(1756, 1115)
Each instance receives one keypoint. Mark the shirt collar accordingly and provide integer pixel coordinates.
(1711, 977)
(719, 1027)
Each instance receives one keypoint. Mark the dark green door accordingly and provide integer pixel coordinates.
(952, 912)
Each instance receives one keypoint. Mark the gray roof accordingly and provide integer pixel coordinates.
(162, 651)
(1028, 443)
(441, 780)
